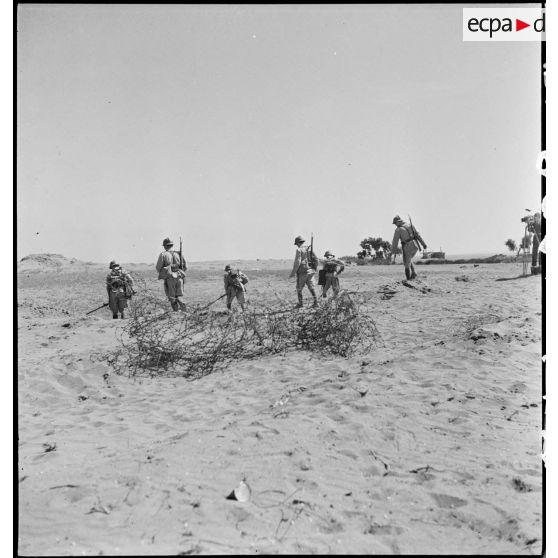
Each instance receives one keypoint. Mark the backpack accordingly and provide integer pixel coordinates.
(237, 280)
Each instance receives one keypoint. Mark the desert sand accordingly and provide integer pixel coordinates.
(428, 444)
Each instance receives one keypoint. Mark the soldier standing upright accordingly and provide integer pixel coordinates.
(535, 228)
(171, 266)
(119, 285)
(304, 268)
(410, 239)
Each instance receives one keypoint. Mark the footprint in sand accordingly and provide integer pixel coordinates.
(304, 465)
(377, 529)
(518, 387)
(332, 526)
(349, 453)
(447, 501)
(373, 471)
(308, 484)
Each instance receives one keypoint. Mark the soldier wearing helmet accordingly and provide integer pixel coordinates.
(534, 227)
(410, 239)
(234, 281)
(119, 286)
(304, 268)
(332, 268)
(171, 267)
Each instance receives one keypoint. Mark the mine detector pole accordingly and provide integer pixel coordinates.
(102, 306)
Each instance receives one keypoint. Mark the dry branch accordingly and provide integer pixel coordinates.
(195, 342)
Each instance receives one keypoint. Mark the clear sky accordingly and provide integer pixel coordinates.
(239, 127)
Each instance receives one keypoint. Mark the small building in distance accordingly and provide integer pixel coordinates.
(434, 255)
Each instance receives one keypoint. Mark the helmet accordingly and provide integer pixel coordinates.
(328, 253)
(227, 268)
(113, 264)
(396, 219)
(299, 239)
(168, 242)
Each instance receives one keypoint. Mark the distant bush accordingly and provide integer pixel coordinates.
(511, 244)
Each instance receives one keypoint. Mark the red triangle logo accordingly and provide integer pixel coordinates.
(519, 25)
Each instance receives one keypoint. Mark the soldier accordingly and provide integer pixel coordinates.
(410, 238)
(171, 267)
(304, 268)
(119, 289)
(234, 286)
(332, 269)
(535, 228)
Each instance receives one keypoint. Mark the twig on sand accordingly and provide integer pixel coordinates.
(279, 504)
(98, 508)
(384, 463)
(49, 447)
(425, 469)
(290, 522)
(360, 390)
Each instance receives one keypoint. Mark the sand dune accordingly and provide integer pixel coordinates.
(428, 444)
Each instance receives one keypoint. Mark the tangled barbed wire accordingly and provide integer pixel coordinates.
(197, 341)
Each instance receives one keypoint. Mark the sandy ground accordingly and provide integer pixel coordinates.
(429, 444)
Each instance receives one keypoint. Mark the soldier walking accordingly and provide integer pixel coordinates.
(171, 266)
(119, 286)
(410, 239)
(535, 229)
(332, 268)
(234, 286)
(304, 268)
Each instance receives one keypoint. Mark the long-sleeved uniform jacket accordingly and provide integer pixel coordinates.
(301, 264)
(404, 232)
(166, 259)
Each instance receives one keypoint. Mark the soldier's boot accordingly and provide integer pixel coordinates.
(300, 303)
(181, 305)
(174, 305)
(313, 293)
(413, 274)
(115, 316)
(408, 273)
(122, 315)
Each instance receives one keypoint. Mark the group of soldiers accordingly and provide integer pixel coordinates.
(305, 263)
(171, 268)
